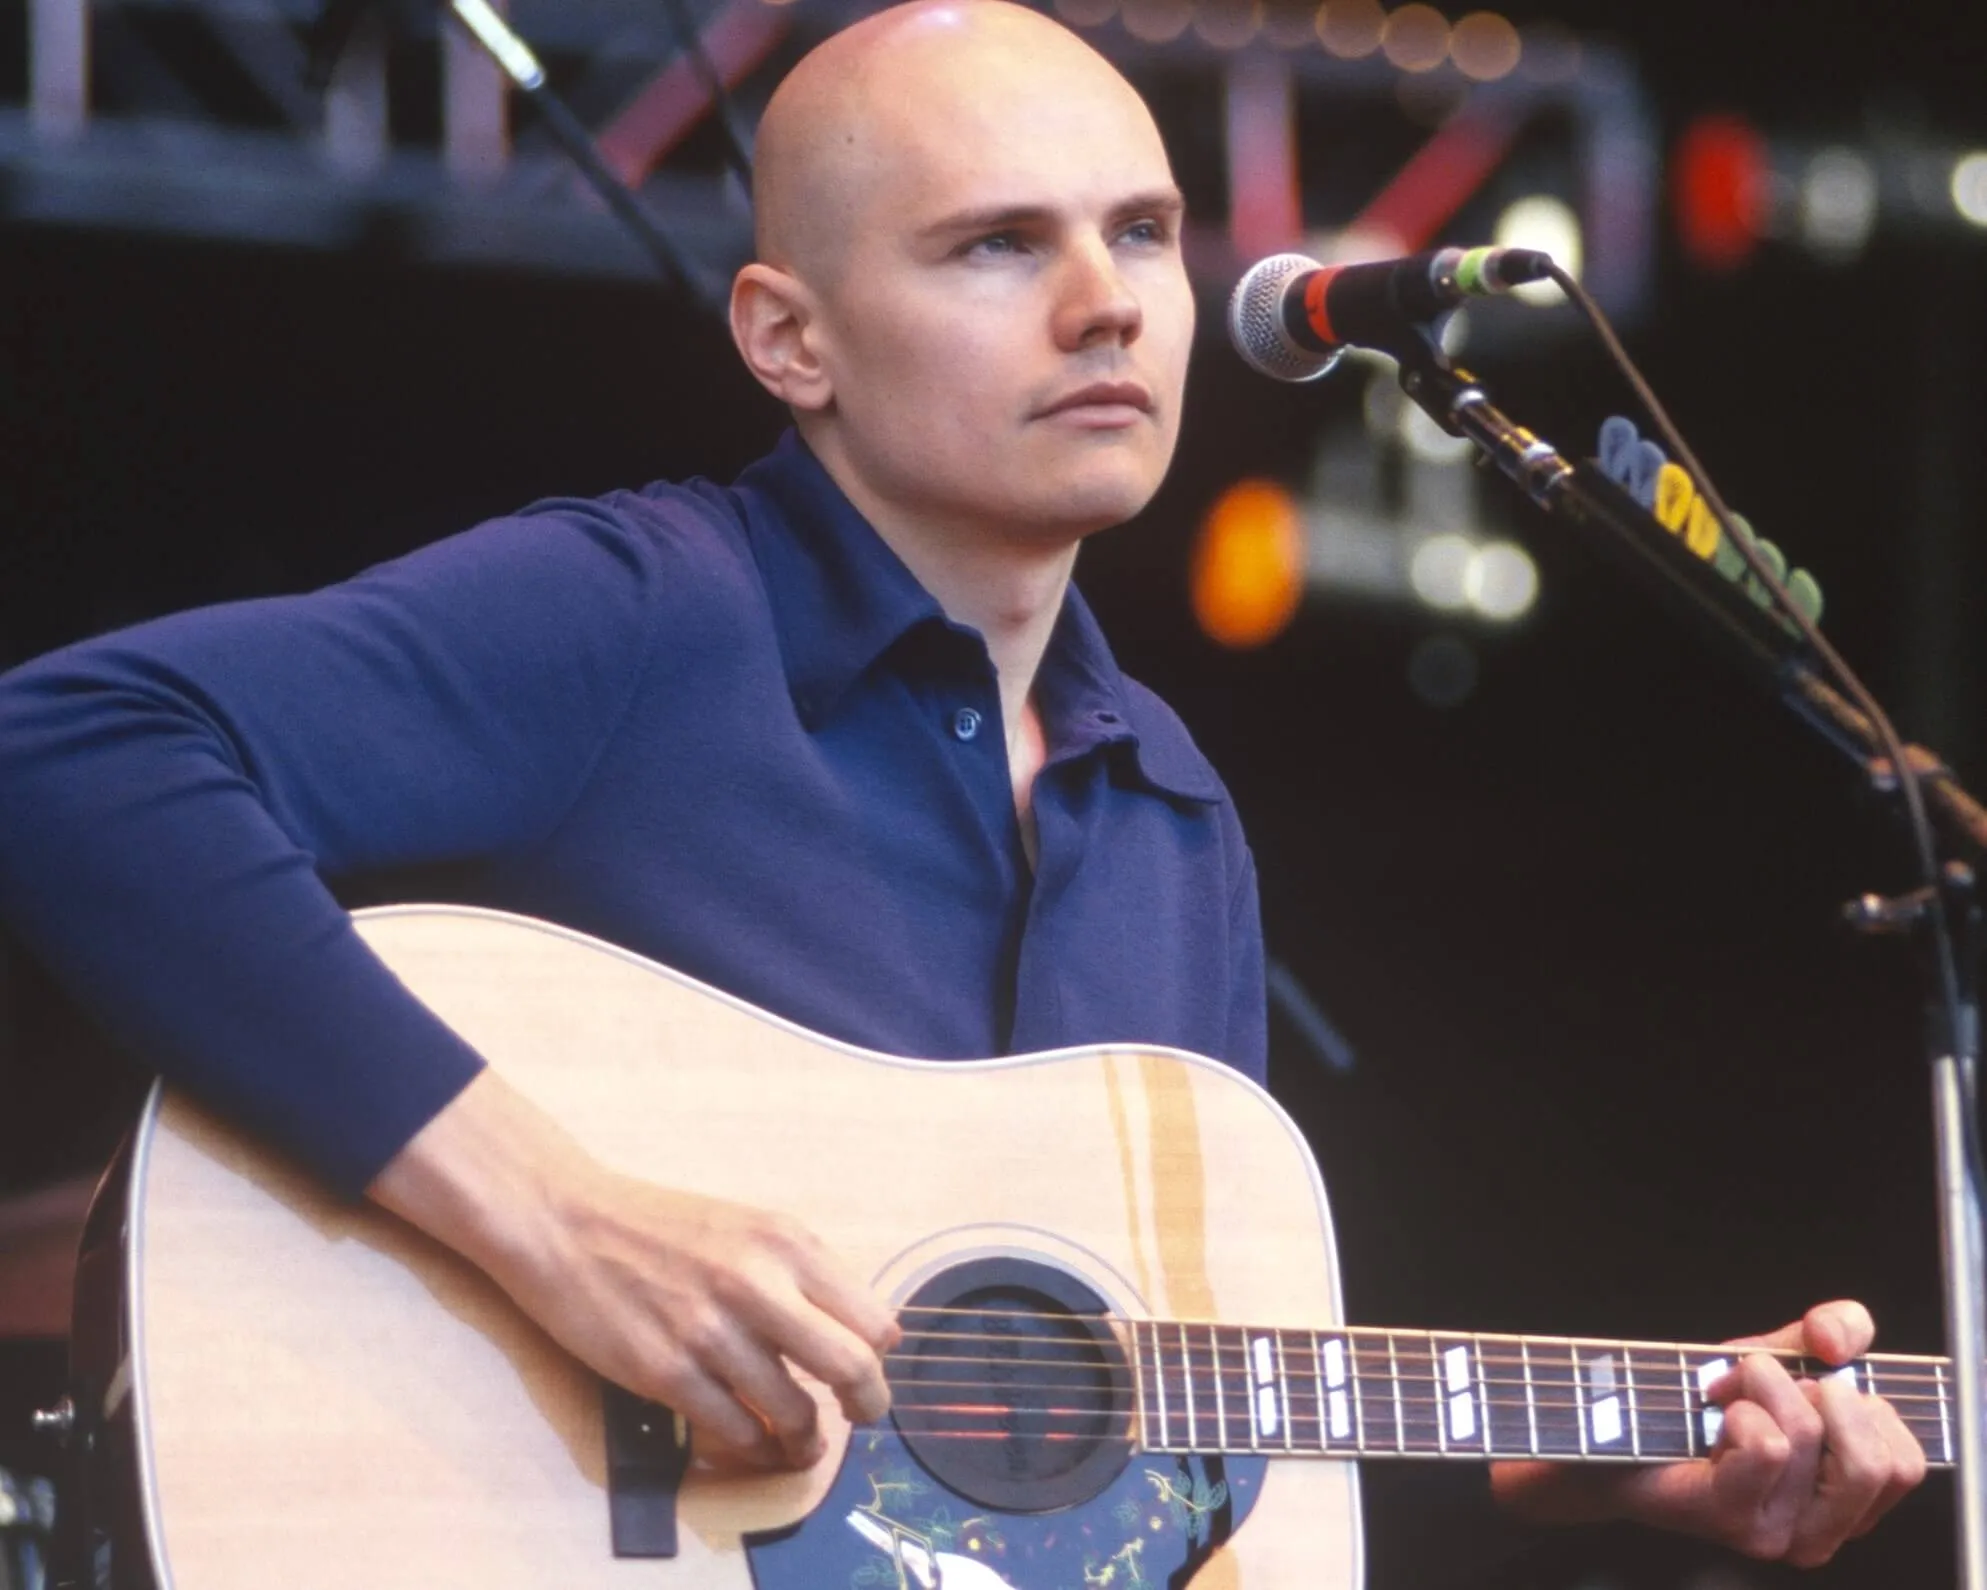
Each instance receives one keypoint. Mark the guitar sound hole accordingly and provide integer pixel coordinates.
(1011, 1386)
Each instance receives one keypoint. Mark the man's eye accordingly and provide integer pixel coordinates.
(1147, 231)
(995, 245)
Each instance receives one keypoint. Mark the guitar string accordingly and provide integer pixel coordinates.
(1380, 1338)
(1083, 1352)
(1378, 1334)
(1296, 1413)
(1308, 1438)
(1308, 1433)
(1417, 1400)
(1664, 1399)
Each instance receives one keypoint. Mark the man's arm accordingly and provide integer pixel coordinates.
(1800, 1466)
(173, 797)
(695, 1302)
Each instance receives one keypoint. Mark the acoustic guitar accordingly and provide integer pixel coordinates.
(1123, 1359)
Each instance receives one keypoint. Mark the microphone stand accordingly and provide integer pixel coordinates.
(1768, 645)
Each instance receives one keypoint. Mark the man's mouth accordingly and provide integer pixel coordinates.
(1104, 403)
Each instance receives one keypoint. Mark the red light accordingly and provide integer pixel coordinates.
(1718, 179)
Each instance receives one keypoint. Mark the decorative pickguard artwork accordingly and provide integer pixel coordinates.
(887, 1524)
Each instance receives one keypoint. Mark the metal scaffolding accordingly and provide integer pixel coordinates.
(384, 129)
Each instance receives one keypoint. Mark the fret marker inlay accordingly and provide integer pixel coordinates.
(1462, 1406)
(1708, 1375)
(1604, 1407)
(1268, 1414)
(1335, 1401)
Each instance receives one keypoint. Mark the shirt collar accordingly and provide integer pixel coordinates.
(1087, 701)
(841, 598)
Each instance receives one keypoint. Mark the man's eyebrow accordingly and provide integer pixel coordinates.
(996, 217)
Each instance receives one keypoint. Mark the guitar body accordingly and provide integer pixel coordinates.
(302, 1392)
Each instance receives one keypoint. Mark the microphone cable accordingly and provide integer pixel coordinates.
(1958, 1019)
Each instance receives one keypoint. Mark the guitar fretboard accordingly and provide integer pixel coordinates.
(1383, 1393)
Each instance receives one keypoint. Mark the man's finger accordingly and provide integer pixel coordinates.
(1834, 1332)
(1768, 1384)
(1839, 1331)
(827, 1349)
(1906, 1467)
(758, 1377)
(1854, 1472)
(823, 1283)
(1751, 1457)
(683, 1386)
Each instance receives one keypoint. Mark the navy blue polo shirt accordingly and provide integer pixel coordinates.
(724, 727)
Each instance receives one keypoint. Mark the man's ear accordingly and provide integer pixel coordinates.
(773, 323)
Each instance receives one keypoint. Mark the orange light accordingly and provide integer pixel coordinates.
(1351, 29)
(1416, 38)
(1485, 47)
(1228, 24)
(1157, 21)
(1248, 565)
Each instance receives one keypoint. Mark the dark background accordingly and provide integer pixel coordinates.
(1618, 1072)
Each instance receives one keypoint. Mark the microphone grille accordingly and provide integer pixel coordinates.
(1255, 322)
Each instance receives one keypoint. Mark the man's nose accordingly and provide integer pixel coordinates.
(1095, 302)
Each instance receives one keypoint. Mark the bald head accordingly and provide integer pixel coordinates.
(970, 289)
(851, 123)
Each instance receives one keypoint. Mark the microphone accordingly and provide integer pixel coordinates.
(1291, 318)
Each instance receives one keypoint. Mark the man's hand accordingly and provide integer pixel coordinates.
(704, 1305)
(1800, 1466)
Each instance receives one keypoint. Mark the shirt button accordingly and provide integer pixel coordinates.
(965, 723)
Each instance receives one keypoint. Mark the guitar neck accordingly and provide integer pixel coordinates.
(1395, 1393)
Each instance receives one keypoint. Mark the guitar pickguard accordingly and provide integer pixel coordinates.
(888, 1524)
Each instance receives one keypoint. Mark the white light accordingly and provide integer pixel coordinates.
(1440, 572)
(1838, 201)
(1543, 222)
(1501, 581)
(1428, 441)
(1969, 187)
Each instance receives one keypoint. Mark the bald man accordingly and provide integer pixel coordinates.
(840, 738)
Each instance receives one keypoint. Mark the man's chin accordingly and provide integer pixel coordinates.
(1097, 492)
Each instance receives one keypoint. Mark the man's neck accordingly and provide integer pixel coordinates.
(1006, 582)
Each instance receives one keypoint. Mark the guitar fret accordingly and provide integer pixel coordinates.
(1486, 1400)
(1579, 1396)
(1221, 1402)
(1634, 1413)
(1138, 1386)
(1435, 1380)
(1250, 1381)
(1283, 1390)
(1689, 1413)
(1945, 1416)
(1531, 1397)
(1318, 1390)
(1187, 1375)
(1358, 1403)
(1159, 1381)
(1394, 1375)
